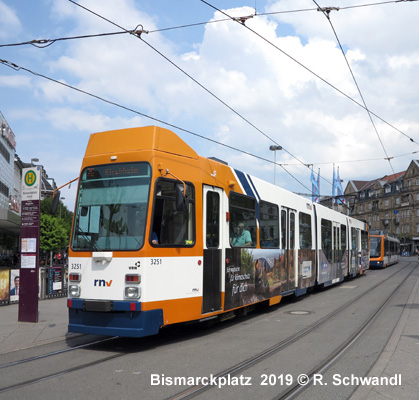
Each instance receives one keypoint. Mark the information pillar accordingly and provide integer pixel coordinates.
(29, 251)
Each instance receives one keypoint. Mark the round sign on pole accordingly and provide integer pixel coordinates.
(30, 178)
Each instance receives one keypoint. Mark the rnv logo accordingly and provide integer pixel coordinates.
(102, 282)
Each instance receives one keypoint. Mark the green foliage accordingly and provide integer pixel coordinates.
(54, 236)
(55, 229)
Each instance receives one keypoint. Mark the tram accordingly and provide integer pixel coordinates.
(384, 250)
(163, 236)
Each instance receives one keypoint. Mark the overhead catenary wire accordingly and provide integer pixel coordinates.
(47, 42)
(139, 33)
(326, 13)
(311, 72)
(169, 61)
(18, 67)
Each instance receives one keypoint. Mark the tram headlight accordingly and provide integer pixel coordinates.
(132, 292)
(74, 290)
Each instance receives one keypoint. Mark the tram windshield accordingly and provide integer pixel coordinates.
(375, 247)
(111, 207)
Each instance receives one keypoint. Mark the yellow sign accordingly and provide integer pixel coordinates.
(30, 178)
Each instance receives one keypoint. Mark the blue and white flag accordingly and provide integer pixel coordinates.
(315, 188)
(341, 199)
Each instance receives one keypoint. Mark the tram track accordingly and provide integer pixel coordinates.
(118, 353)
(337, 353)
(54, 353)
(194, 391)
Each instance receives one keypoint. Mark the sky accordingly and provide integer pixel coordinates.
(280, 78)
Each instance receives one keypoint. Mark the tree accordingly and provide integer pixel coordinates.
(64, 216)
(53, 235)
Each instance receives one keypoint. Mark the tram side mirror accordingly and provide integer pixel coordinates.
(180, 198)
(55, 201)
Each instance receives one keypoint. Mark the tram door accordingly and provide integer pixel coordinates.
(336, 243)
(288, 246)
(212, 198)
(339, 246)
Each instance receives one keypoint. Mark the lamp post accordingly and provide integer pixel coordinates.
(274, 148)
(34, 160)
(62, 198)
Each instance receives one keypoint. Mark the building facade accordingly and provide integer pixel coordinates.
(10, 193)
(389, 204)
(10, 179)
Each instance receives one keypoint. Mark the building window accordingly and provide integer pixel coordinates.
(4, 152)
(387, 189)
(386, 203)
(397, 200)
(4, 189)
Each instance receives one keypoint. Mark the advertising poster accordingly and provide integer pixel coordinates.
(14, 285)
(253, 275)
(55, 281)
(4, 286)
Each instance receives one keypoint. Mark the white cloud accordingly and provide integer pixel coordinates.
(10, 24)
(15, 81)
(308, 117)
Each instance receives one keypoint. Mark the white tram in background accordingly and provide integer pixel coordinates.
(163, 236)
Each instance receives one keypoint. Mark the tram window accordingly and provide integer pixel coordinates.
(173, 227)
(284, 230)
(242, 220)
(354, 237)
(342, 240)
(326, 238)
(305, 231)
(112, 207)
(213, 220)
(364, 240)
(375, 243)
(386, 246)
(269, 224)
(292, 230)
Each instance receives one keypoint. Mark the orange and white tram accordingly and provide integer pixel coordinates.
(384, 249)
(163, 236)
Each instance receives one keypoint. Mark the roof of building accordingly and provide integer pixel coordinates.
(386, 179)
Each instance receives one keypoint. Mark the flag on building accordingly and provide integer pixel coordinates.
(339, 189)
(315, 188)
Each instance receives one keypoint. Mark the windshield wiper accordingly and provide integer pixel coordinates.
(88, 238)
